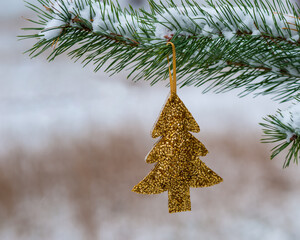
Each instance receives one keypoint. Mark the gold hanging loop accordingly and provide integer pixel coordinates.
(172, 79)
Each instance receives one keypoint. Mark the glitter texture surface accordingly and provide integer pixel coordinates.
(176, 155)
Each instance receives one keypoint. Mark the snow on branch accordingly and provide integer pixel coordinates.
(284, 127)
(98, 17)
(291, 119)
(262, 40)
(187, 20)
(213, 21)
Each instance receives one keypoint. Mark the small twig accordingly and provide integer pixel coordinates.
(47, 8)
(27, 19)
(246, 65)
(294, 137)
(290, 29)
(76, 20)
(287, 15)
(54, 44)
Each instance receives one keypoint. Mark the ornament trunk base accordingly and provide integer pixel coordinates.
(179, 199)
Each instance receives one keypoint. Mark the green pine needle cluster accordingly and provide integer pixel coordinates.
(276, 131)
(261, 61)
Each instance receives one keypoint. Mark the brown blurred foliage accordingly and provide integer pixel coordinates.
(93, 175)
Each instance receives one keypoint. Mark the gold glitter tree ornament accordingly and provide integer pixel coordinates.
(176, 154)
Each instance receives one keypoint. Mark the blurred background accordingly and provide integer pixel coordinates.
(73, 143)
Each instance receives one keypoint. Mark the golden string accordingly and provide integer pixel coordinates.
(172, 79)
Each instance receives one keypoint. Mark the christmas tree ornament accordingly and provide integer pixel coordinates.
(176, 154)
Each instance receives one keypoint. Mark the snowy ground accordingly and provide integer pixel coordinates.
(40, 100)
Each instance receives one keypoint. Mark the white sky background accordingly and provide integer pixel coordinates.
(39, 99)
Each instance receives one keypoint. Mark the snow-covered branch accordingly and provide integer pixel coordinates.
(224, 46)
(191, 21)
(258, 40)
(284, 127)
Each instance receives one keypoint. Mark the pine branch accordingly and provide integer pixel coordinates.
(249, 45)
(254, 46)
(284, 127)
